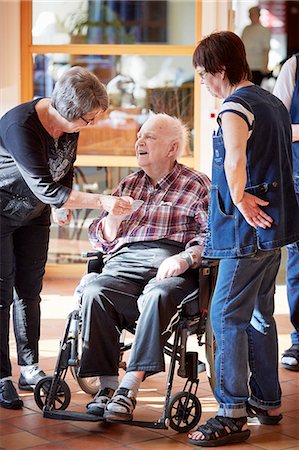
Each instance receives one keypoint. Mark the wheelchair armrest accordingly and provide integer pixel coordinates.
(92, 254)
(209, 262)
(95, 261)
(207, 280)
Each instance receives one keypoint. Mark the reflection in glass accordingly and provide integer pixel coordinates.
(136, 85)
(68, 242)
(113, 21)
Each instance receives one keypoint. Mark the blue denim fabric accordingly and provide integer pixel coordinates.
(293, 288)
(268, 176)
(293, 249)
(245, 331)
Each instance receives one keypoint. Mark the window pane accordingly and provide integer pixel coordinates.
(68, 242)
(113, 21)
(136, 85)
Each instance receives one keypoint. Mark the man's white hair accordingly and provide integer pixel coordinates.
(178, 131)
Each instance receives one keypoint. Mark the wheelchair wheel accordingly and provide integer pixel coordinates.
(61, 399)
(210, 348)
(184, 411)
(90, 385)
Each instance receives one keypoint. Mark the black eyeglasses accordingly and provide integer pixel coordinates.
(87, 121)
(202, 74)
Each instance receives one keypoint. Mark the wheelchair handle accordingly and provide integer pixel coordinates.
(91, 254)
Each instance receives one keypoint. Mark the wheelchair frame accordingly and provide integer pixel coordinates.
(182, 411)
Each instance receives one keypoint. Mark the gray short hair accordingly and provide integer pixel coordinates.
(78, 92)
(178, 131)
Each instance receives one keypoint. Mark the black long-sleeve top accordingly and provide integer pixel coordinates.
(35, 169)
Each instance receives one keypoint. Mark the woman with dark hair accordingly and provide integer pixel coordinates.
(253, 213)
(38, 144)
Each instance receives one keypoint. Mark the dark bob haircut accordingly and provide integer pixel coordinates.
(223, 50)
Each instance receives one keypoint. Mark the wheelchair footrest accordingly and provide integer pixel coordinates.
(60, 414)
(138, 423)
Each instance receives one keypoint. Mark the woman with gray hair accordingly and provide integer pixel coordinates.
(38, 144)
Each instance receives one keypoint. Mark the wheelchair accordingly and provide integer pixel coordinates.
(182, 410)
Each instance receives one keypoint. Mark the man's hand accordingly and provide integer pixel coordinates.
(172, 267)
(253, 214)
(61, 216)
(117, 205)
(112, 221)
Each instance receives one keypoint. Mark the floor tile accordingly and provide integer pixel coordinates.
(20, 440)
(28, 429)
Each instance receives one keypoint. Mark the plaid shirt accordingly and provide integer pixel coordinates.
(175, 209)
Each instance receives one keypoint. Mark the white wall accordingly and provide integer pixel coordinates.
(9, 54)
(216, 16)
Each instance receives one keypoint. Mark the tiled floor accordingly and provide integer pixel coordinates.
(27, 429)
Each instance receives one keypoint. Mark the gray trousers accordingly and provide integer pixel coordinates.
(110, 304)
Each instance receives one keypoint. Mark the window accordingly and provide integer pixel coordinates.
(142, 51)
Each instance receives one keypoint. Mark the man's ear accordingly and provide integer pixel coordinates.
(173, 149)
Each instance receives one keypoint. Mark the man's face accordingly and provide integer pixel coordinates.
(254, 16)
(152, 144)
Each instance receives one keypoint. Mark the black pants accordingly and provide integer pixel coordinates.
(24, 247)
(111, 302)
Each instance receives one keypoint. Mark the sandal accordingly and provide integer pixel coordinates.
(98, 405)
(262, 415)
(121, 406)
(216, 432)
(290, 358)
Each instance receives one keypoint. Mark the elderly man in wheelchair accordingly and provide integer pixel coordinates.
(148, 267)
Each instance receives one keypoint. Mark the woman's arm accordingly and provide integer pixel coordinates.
(235, 135)
(114, 205)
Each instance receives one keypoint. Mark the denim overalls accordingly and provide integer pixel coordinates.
(293, 249)
(243, 301)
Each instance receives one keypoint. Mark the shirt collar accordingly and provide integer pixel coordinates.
(166, 181)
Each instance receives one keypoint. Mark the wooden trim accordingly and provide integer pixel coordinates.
(118, 161)
(26, 56)
(65, 271)
(198, 23)
(197, 99)
(113, 49)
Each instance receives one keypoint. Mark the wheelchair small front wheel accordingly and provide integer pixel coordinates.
(44, 395)
(184, 411)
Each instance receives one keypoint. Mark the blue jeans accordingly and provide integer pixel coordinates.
(245, 331)
(293, 288)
